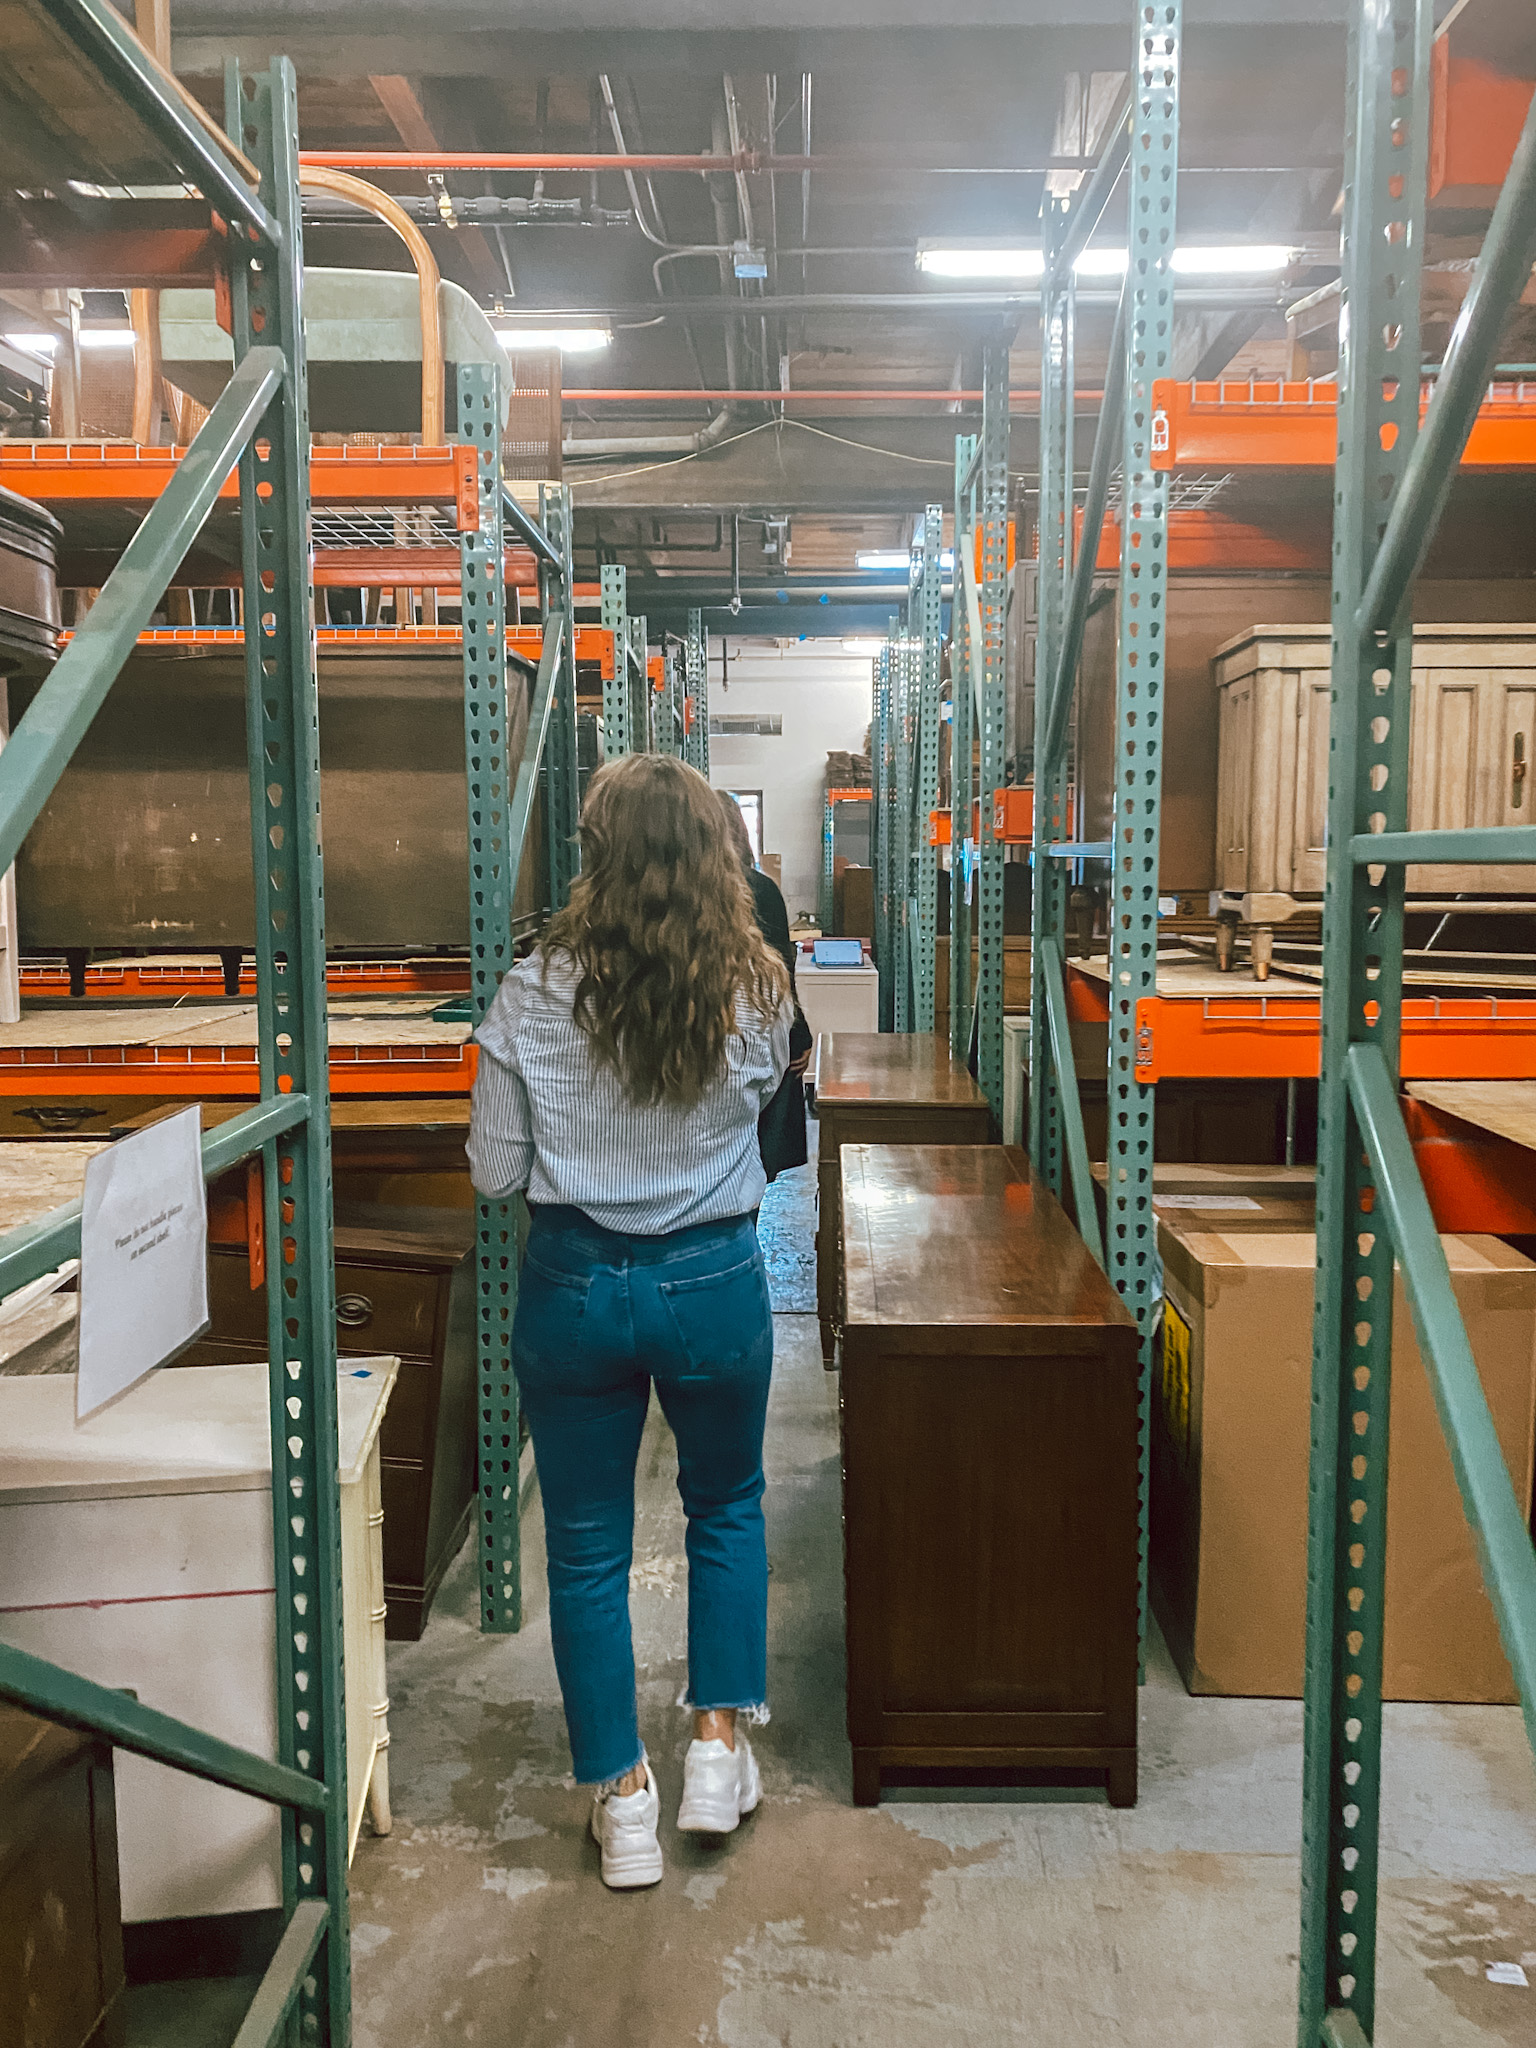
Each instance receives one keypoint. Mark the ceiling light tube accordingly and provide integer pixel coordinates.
(569, 341)
(32, 344)
(897, 558)
(1251, 259)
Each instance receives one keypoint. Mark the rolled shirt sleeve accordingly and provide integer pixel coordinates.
(501, 1145)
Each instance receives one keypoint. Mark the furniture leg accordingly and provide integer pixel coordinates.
(1120, 1781)
(866, 1777)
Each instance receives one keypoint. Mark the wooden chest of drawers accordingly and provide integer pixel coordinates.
(881, 1088)
(61, 1936)
(404, 1284)
(989, 1439)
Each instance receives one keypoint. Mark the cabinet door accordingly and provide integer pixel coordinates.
(1446, 766)
(1508, 792)
(1309, 790)
(1234, 782)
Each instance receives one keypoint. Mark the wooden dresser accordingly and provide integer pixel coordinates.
(881, 1088)
(61, 1935)
(989, 1445)
(404, 1284)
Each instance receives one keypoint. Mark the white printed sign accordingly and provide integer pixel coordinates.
(143, 1257)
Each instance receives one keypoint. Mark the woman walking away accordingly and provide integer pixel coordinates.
(622, 1070)
(781, 1127)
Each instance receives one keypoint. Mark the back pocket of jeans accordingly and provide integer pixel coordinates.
(551, 1310)
(723, 1320)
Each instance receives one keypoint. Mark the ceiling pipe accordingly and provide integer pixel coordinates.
(748, 160)
(619, 395)
(1195, 299)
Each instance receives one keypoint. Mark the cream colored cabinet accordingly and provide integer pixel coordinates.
(1471, 741)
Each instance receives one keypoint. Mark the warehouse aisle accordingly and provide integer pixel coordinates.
(936, 1921)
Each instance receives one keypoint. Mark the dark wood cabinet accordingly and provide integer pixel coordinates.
(881, 1088)
(61, 1932)
(404, 1284)
(989, 1445)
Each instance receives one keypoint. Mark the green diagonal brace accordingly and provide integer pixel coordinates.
(1059, 1031)
(267, 2015)
(1497, 1521)
(75, 1702)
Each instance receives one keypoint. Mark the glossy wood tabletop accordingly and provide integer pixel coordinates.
(891, 1066)
(939, 1237)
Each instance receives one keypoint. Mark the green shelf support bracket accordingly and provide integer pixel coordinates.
(283, 748)
(1047, 1077)
(1386, 171)
(1131, 1234)
(992, 596)
(962, 748)
(562, 786)
(617, 695)
(494, 858)
(696, 676)
(928, 625)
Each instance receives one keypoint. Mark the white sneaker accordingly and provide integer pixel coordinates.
(625, 1830)
(719, 1786)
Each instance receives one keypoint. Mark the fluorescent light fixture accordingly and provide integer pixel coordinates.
(870, 647)
(570, 341)
(1004, 263)
(32, 344)
(1100, 263)
(1255, 259)
(898, 558)
(1252, 259)
(106, 337)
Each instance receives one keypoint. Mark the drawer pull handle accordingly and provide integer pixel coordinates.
(1519, 768)
(353, 1311)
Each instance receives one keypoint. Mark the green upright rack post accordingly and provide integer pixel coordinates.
(493, 864)
(562, 800)
(928, 605)
(696, 671)
(993, 605)
(1386, 147)
(618, 698)
(901, 835)
(283, 745)
(638, 672)
(1048, 922)
(962, 744)
(882, 826)
(1131, 1237)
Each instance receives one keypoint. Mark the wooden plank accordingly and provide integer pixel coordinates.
(1507, 1108)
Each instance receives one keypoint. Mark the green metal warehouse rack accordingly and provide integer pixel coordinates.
(261, 424)
(1392, 481)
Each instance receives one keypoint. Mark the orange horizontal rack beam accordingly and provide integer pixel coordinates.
(594, 644)
(1273, 425)
(121, 473)
(207, 1072)
(1268, 1036)
(151, 980)
(850, 796)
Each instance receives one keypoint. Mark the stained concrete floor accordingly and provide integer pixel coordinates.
(935, 1921)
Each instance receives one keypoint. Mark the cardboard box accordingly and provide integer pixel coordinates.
(1230, 1449)
(1226, 1198)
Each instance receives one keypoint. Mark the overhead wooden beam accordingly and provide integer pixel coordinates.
(401, 101)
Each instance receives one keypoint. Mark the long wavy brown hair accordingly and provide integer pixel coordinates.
(661, 930)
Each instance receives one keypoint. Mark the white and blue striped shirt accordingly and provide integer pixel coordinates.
(548, 1117)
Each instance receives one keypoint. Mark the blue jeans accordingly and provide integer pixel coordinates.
(600, 1315)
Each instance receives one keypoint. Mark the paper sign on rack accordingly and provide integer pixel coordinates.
(143, 1257)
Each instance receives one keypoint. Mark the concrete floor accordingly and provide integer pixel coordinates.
(936, 1921)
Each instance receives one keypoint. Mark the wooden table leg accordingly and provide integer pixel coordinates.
(866, 1777)
(1120, 1781)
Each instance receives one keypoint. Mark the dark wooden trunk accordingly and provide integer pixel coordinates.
(989, 1439)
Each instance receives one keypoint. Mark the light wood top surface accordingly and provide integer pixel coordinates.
(891, 1066)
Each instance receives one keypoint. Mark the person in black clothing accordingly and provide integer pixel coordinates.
(781, 1127)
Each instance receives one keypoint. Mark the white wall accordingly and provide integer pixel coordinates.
(824, 698)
